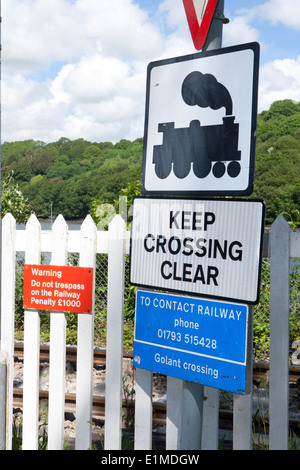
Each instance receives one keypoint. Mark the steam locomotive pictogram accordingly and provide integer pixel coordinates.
(204, 148)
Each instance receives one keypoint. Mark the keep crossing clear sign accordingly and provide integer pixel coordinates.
(203, 247)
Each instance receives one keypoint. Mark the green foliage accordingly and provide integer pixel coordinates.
(293, 219)
(131, 190)
(295, 304)
(19, 312)
(277, 172)
(74, 177)
(17, 432)
(261, 319)
(281, 108)
(66, 175)
(103, 212)
(13, 201)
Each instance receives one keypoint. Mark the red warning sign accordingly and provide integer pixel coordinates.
(199, 15)
(58, 288)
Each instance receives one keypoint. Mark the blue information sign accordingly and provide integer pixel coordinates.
(193, 339)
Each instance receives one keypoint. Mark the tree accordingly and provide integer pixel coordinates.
(103, 212)
(13, 201)
(69, 174)
(41, 161)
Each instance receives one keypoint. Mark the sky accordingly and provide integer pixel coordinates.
(77, 68)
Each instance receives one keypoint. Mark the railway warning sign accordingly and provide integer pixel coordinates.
(58, 288)
(200, 123)
(204, 247)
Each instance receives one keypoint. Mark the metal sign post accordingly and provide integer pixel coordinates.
(210, 248)
(215, 33)
(3, 365)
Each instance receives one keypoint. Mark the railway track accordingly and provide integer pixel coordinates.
(98, 405)
(71, 354)
(260, 371)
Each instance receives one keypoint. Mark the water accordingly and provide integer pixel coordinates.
(46, 225)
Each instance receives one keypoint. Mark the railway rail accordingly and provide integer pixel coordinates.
(260, 371)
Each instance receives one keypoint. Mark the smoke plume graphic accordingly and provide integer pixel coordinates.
(205, 91)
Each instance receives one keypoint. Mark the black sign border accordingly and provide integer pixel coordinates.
(255, 47)
(232, 299)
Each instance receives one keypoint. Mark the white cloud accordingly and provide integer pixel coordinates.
(239, 31)
(120, 28)
(173, 14)
(279, 80)
(95, 78)
(37, 33)
(97, 52)
(280, 11)
(57, 87)
(272, 11)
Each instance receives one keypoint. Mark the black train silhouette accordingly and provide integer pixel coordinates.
(200, 146)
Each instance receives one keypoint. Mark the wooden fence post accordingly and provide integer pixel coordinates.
(85, 344)
(8, 281)
(184, 414)
(242, 404)
(279, 335)
(143, 410)
(114, 353)
(210, 426)
(57, 362)
(31, 346)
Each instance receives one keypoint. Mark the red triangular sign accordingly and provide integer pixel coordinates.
(199, 15)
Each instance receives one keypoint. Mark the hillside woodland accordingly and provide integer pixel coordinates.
(68, 176)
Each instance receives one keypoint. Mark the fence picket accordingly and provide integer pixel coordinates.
(8, 281)
(57, 363)
(192, 414)
(210, 425)
(242, 404)
(85, 344)
(174, 414)
(114, 352)
(143, 410)
(31, 346)
(184, 414)
(279, 335)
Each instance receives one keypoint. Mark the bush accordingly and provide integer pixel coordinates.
(261, 320)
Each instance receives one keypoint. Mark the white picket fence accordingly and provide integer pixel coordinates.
(192, 422)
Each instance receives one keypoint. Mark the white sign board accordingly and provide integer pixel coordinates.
(200, 123)
(210, 248)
